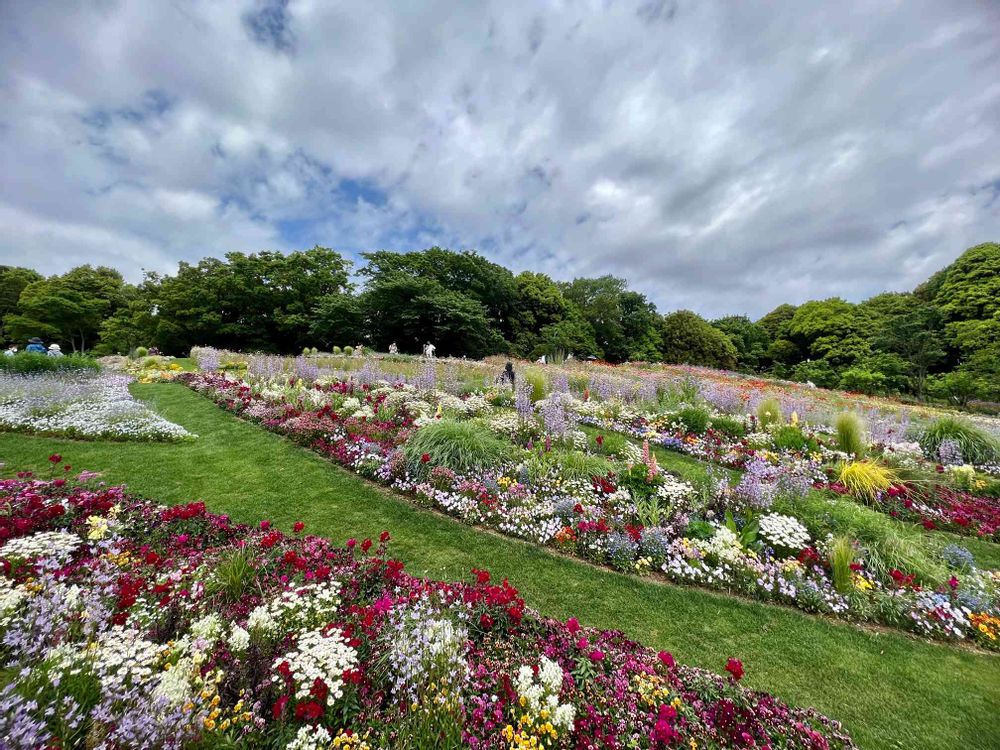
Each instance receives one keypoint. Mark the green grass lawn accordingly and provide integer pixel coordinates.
(891, 691)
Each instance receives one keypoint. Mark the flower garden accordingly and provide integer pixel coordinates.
(135, 625)
(79, 404)
(808, 519)
(130, 624)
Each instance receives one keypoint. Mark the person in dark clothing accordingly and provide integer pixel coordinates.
(35, 345)
(508, 373)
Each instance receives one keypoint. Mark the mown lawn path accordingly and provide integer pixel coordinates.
(890, 690)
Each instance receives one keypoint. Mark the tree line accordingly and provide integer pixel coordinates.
(942, 338)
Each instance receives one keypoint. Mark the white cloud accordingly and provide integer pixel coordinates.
(721, 157)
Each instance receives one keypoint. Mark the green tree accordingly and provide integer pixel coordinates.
(833, 330)
(599, 301)
(750, 339)
(337, 320)
(13, 280)
(69, 309)
(912, 330)
(687, 338)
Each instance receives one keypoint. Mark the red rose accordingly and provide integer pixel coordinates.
(298, 526)
(425, 458)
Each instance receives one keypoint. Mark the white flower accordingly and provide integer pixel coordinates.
(58, 545)
(239, 639)
(318, 655)
(783, 531)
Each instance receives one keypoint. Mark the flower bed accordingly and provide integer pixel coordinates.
(638, 519)
(80, 405)
(132, 625)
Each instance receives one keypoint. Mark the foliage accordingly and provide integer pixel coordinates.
(729, 426)
(751, 340)
(841, 559)
(687, 338)
(866, 480)
(694, 418)
(977, 446)
(580, 465)
(769, 413)
(790, 437)
(459, 446)
(28, 362)
(851, 434)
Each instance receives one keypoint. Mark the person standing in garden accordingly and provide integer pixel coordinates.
(55, 350)
(35, 345)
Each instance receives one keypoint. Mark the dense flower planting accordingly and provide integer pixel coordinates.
(128, 625)
(635, 517)
(80, 405)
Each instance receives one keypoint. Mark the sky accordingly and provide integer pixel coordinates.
(723, 157)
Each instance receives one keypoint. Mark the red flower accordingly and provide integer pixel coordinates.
(298, 526)
(482, 576)
(953, 582)
(55, 458)
(485, 622)
(425, 458)
(265, 525)
(735, 668)
(279, 707)
(600, 439)
(667, 659)
(383, 537)
(573, 625)
(366, 545)
(596, 655)
(308, 711)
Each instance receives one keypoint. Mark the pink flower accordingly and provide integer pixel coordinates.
(667, 659)
(573, 625)
(596, 655)
(265, 525)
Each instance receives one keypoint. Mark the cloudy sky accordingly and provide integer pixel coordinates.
(723, 157)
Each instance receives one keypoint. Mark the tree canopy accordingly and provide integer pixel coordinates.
(943, 338)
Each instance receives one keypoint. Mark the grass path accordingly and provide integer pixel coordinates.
(890, 690)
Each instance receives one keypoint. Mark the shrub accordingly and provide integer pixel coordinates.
(28, 362)
(851, 434)
(729, 426)
(314, 350)
(698, 529)
(459, 446)
(694, 418)
(790, 438)
(977, 446)
(769, 413)
(349, 351)
(841, 558)
(305, 350)
(537, 382)
(141, 351)
(885, 542)
(337, 350)
(866, 480)
(580, 465)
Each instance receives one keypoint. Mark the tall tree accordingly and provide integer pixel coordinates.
(13, 280)
(690, 339)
